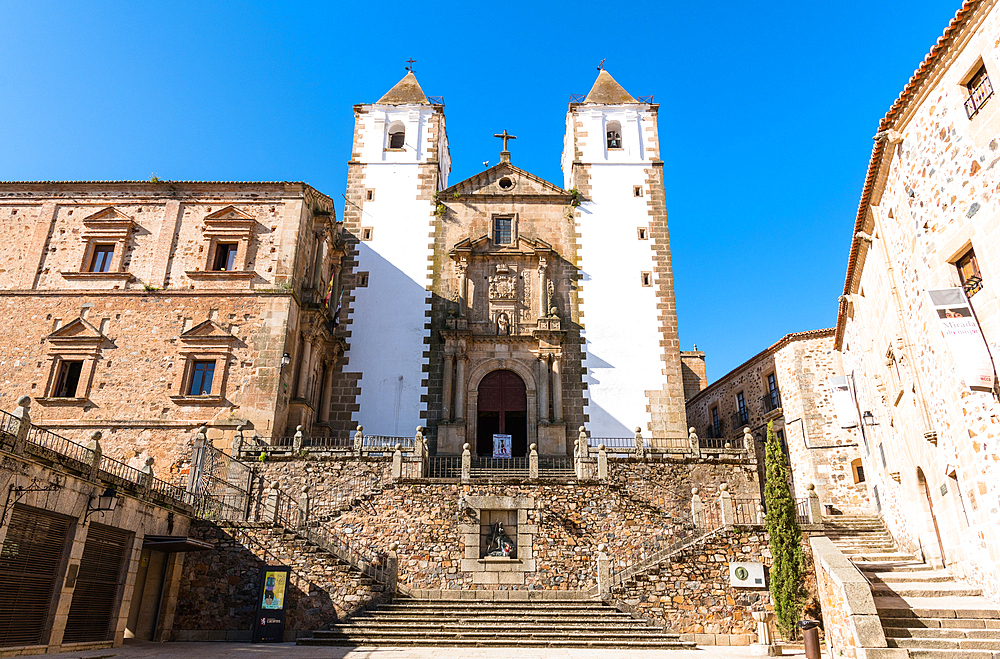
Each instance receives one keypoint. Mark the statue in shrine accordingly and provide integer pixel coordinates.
(500, 544)
(503, 324)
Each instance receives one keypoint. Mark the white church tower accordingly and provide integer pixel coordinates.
(611, 156)
(399, 161)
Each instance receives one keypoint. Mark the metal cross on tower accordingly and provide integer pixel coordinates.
(504, 136)
(600, 67)
(409, 64)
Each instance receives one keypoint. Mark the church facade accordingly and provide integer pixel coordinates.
(504, 304)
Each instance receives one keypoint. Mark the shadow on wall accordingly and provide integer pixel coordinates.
(217, 598)
(600, 422)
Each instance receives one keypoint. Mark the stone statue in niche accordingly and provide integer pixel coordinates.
(503, 324)
(500, 544)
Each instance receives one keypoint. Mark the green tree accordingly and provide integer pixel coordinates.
(785, 539)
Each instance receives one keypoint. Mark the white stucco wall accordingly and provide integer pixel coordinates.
(620, 320)
(388, 317)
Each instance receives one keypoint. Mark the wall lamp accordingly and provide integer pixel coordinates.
(868, 418)
(286, 359)
(105, 503)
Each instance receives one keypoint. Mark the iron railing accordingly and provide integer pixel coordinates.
(444, 466)
(552, 466)
(739, 420)
(978, 97)
(745, 511)
(615, 444)
(802, 511)
(435, 100)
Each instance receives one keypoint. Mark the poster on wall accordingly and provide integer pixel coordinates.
(965, 340)
(269, 623)
(501, 446)
(843, 401)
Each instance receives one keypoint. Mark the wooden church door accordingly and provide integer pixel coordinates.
(502, 410)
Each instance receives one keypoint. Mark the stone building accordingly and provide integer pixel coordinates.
(507, 319)
(918, 323)
(147, 309)
(789, 385)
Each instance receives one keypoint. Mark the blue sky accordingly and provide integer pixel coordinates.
(766, 113)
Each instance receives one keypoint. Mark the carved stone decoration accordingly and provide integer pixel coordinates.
(500, 543)
(503, 287)
(503, 324)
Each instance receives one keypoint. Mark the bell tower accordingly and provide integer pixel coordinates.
(611, 158)
(399, 161)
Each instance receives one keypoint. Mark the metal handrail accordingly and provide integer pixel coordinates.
(978, 97)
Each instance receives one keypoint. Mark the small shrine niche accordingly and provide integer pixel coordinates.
(498, 534)
(503, 300)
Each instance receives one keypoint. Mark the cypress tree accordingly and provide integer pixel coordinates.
(784, 537)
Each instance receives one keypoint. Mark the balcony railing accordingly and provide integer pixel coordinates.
(978, 97)
(739, 420)
(770, 401)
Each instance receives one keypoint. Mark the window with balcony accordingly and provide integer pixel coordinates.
(771, 400)
(968, 273)
(980, 90)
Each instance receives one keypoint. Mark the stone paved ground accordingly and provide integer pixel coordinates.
(289, 651)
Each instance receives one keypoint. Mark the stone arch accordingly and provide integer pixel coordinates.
(396, 135)
(476, 375)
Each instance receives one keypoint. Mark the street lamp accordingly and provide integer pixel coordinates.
(105, 502)
(286, 359)
(868, 418)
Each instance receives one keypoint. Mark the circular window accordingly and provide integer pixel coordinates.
(506, 183)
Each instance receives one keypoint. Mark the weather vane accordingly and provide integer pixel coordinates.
(504, 136)
(600, 67)
(409, 64)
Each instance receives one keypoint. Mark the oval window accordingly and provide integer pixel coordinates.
(505, 183)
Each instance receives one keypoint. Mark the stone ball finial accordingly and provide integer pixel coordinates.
(583, 429)
(399, 446)
(811, 487)
(393, 546)
(691, 429)
(298, 428)
(96, 435)
(600, 447)
(533, 447)
(420, 428)
(638, 429)
(239, 428)
(24, 401)
(724, 487)
(150, 461)
(305, 489)
(275, 485)
(602, 547)
(360, 428)
(466, 446)
(694, 491)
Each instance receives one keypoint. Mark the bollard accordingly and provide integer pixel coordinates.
(810, 635)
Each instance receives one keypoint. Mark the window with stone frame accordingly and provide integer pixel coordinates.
(396, 139)
(741, 408)
(74, 350)
(968, 273)
(487, 520)
(229, 232)
(106, 235)
(206, 351)
(614, 135)
(503, 229)
(716, 423)
(858, 471)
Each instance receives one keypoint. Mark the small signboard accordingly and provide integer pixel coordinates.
(501, 446)
(269, 623)
(747, 575)
(963, 336)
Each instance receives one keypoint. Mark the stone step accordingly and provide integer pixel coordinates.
(524, 604)
(944, 643)
(940, 632)
(611, 644)
(927, 576)
(922, 589)
(925, 613)
(942, 623)
(458, 632)
(929, 653)
(889, 566)
(496, 619)
(882, 556)
(364, 624)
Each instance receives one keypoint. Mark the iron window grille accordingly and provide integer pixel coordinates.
(980, 90)
(968, 273)
(503, 230)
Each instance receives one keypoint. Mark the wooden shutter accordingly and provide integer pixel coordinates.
(98, 586)
(29, 569)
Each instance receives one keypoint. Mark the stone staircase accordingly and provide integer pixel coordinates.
(922, 609)
(509, 624)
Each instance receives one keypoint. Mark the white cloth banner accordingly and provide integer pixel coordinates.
(965, 339)
(843, 401)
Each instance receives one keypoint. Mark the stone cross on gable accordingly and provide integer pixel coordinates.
(504, 136)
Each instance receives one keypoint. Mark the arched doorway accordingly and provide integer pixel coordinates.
(502, 410)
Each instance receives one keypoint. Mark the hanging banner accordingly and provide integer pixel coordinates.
(965, 340)
(501, 446)
(843, 401)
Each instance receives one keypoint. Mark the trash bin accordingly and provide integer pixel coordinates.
(810, 636)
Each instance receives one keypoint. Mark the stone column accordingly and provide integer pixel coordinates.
(460, 388)
(726, 505)
(466, 463)
(317, 279)
(397, 463)
(304, 360)
(463, 290)
(23, 417)
(603, 572)
(543, 388)
(602, 463)
(697, 508)
(304, 502)
(96, 453)
(297, 440)
(324, 405)
(449, 368)
(533, 462)
(640, 445)
(543, 290)
(557, 410)
(815, 510)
